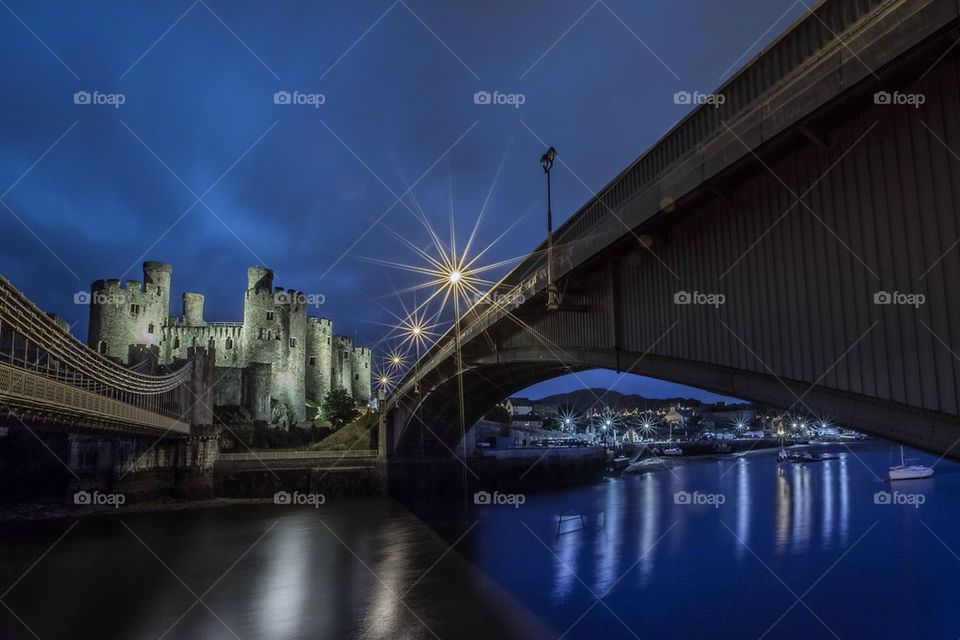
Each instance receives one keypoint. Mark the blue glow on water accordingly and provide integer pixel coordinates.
(793, 551)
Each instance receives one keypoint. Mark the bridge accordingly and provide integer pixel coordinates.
(79, 414)
(50, 377)
(794, 245)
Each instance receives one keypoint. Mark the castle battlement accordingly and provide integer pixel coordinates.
(276, 349)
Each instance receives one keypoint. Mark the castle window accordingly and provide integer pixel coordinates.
(328, 339)
(356, 376)
(134, 309)
(150, 328)
(278, 336)
(102, 347)
(229, 344)
(366, 365)
(260, 335)
(269, 315)
(313, 361)
(176, 342)
(269, 334)
(293, 343)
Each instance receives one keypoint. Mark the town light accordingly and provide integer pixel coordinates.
(454, 276)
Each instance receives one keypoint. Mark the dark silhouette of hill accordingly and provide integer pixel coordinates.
(583, 399)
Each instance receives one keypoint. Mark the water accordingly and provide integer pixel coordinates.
(792, 552)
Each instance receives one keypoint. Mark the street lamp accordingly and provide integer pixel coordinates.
(546, 161)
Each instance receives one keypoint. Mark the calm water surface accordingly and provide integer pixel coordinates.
(775, 551)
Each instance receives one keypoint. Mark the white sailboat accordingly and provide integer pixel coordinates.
(674, 450)
(904, 471)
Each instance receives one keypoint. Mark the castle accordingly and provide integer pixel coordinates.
(276, 356)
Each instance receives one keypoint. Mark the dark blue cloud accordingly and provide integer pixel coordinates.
(200, 95)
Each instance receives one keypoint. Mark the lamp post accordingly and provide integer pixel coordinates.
(546, 161)
(455, 277)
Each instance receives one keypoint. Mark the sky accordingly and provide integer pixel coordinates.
(163, 131)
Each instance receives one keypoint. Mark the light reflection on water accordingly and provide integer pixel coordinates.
(368, 568)
(733, 570)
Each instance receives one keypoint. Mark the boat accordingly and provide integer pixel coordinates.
(643, 465)
(619, 463)
(672, 450)
(904, 471)
(721, 447)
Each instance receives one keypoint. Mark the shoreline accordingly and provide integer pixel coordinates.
(40, 511)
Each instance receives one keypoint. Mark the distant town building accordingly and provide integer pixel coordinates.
(674, 417)
(518, 406)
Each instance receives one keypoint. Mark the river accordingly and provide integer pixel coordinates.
(732, 547)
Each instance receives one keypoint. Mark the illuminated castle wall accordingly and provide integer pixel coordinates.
(276, 353)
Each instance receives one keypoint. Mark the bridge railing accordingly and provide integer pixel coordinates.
(823, 26)
(254, 456)
(35, 345)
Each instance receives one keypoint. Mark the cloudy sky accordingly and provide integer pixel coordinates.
(178, 150)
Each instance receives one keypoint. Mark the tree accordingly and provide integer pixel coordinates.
(498, 414)
(339, 408)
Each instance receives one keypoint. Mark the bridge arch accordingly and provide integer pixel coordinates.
(488, 381)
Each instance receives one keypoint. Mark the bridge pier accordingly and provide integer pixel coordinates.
(141, 468)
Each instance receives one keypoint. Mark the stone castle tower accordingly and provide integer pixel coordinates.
(277, 354)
